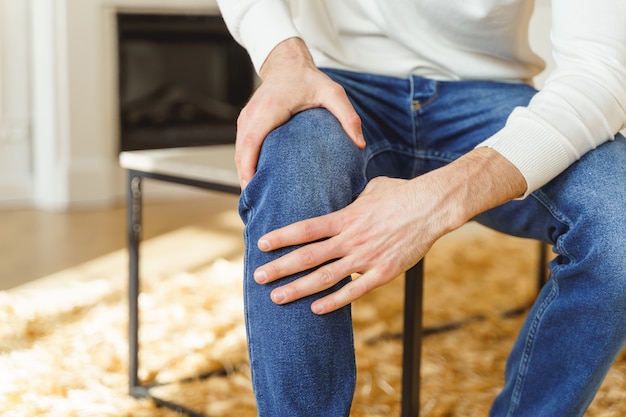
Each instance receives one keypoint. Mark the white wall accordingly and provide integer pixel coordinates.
(15, 145)
(75, 97)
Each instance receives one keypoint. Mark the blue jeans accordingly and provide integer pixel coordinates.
(303, 364)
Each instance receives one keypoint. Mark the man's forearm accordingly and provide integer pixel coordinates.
(474, 183)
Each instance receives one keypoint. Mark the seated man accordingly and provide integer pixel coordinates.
(378, 127)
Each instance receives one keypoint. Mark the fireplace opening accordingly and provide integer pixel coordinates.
(182, 81)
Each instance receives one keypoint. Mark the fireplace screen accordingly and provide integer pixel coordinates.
(182, 81)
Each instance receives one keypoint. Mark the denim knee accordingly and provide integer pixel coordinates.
(307, 167)
(600, 243)
(591, 199)
(577, 327)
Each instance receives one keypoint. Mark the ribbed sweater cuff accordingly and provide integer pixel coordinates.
(265, 25)
(533, 148)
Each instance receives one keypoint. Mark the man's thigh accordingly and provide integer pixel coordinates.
(589, 196)
(414, 124)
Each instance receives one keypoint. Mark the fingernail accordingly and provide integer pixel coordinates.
(278, 297)
(317, 309)
(244, 184)
(264, 245)
(260, 276)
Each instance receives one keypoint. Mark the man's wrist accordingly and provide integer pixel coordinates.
(290, 51)
(476, 182)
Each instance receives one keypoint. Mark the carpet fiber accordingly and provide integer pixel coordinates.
(63, 345)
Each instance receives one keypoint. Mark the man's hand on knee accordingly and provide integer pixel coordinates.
(385, 231)
(290, 84)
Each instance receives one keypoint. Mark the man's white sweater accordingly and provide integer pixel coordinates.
(582, 104)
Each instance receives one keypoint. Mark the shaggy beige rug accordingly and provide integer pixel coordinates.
(63, 344)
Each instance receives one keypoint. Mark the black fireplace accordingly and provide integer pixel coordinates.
(182, 81)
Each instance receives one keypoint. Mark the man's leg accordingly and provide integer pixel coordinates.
(577, 326)
(302, 364)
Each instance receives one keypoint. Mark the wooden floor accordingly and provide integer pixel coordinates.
(35, 244)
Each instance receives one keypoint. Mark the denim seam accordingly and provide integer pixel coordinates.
(435, 155)
(418, 110)
(422, 154)
(249, 209)
(543, 308)
(422, 105)
(529, 347)
(381, 150)
(558, 216)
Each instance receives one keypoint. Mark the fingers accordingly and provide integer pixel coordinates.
(319, 280)
(247, 148)
(344, 296)
(337, 102)
(304, 258)
(255, 122)
(246, 157)
(304, 231)
(299, 260)
(325, 278)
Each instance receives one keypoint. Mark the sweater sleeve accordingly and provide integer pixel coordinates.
(258, 25)
(583, 101)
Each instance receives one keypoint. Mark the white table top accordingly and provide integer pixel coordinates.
(214, 164)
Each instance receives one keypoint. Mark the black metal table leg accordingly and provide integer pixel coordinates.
(542, 272)
(412, 310)
(134, 237)
(412, 340)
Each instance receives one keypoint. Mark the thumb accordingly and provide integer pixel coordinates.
(253, 125)
(337, 102)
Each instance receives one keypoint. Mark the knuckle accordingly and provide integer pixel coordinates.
(325, 277)
(242, 119)
(361, 240)
(353, 119)
(388, 269)
(356, 290)
(245, 137)
(273, 270)
(307, 257)
(371, 258)
(307, 231)
(338, 223)
(238, 157)
(335, 89)
(293, 292)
